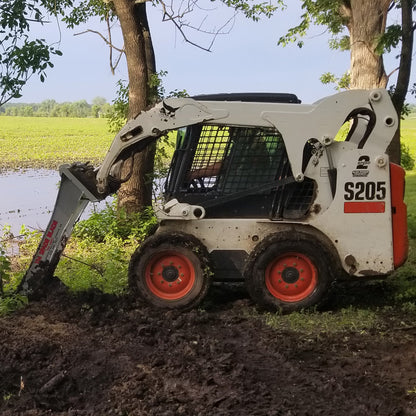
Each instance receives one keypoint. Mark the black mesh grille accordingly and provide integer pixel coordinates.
(234, 159)
(210, 153)
(295, 199)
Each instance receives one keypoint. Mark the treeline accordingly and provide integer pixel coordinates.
(51, 108)
(98, 109)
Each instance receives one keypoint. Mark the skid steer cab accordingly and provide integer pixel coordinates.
(286, 196)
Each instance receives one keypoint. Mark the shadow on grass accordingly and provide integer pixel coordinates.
(360, 294)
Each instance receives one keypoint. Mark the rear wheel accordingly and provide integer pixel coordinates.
(170, 271)
(288, 275)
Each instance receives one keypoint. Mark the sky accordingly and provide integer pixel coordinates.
(246, 59)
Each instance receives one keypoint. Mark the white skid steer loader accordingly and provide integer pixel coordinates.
(261, 188)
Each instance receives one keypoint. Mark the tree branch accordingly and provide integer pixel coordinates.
(178, 20)
(392, 72)
(102, 37)
(109, 43)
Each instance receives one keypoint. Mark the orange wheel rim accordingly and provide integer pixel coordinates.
(170, 275)
(291, 277)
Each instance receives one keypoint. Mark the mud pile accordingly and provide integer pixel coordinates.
(100, 355)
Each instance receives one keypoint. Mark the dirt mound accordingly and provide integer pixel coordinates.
(99, 355)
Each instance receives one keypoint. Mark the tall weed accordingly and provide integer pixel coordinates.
(9, 299)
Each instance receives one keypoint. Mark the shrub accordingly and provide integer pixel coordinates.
(112, 222)
(407, 160)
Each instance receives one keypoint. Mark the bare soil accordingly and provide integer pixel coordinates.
(96, 354)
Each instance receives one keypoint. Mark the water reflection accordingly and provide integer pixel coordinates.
(28, 198)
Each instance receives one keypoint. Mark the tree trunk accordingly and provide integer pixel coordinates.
(366, 22)
(136, 193)
(405, 66)
(403, 77)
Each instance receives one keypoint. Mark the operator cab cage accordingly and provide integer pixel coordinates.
(238, 171)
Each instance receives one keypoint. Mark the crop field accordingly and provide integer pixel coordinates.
(47, 142)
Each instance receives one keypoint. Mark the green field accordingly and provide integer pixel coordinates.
(408, 133)
(47, 142)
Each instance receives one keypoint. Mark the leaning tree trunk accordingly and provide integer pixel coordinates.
(136, 193)
(366, 22)
(403, 77)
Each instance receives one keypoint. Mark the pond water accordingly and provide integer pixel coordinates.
(28, 197)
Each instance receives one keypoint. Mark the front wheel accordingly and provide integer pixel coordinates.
(170, 271)
(288, 275)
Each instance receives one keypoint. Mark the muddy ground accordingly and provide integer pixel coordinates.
(99, 355)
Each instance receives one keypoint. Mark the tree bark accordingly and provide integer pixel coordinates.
(136, 193)
(366, 22)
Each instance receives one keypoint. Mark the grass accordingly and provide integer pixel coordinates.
(85, 264)
(47, 142)
(349, 319)
(408, 133)
(410, 199)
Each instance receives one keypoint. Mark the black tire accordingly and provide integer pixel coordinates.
(288, 275)
(170, 271)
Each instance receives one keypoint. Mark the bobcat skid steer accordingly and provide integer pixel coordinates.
(260, 188)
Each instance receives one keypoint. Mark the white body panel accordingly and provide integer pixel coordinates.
(363, 240)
